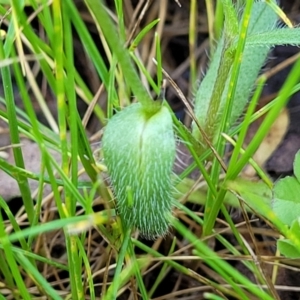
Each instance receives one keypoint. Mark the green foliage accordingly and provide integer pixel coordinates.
(211, 95)
(117, 44)
(281, 206)
(286, 205)
(139, 151)
(286, 202)
(288, 247)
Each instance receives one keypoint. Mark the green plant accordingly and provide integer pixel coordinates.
(221, 98)
(144, 144)
(138, 146)
(285, 203)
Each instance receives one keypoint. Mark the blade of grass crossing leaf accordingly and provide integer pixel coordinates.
(263, 110)
(213, 206)
(235, 72)
(202, 169)
(11, 261)
(296, 166)
(256, 167)
(283, 97)
(216, 96)
(245, 125)
(14, 136)
(188, 212)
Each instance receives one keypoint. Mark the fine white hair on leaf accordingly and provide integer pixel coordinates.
(139, 150)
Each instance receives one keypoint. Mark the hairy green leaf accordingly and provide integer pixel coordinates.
(139, 151)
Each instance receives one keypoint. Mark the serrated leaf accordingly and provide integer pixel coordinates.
(286, 200)
(288, 249)
(297, 166)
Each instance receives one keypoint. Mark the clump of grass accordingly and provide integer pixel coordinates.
(95, 223)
